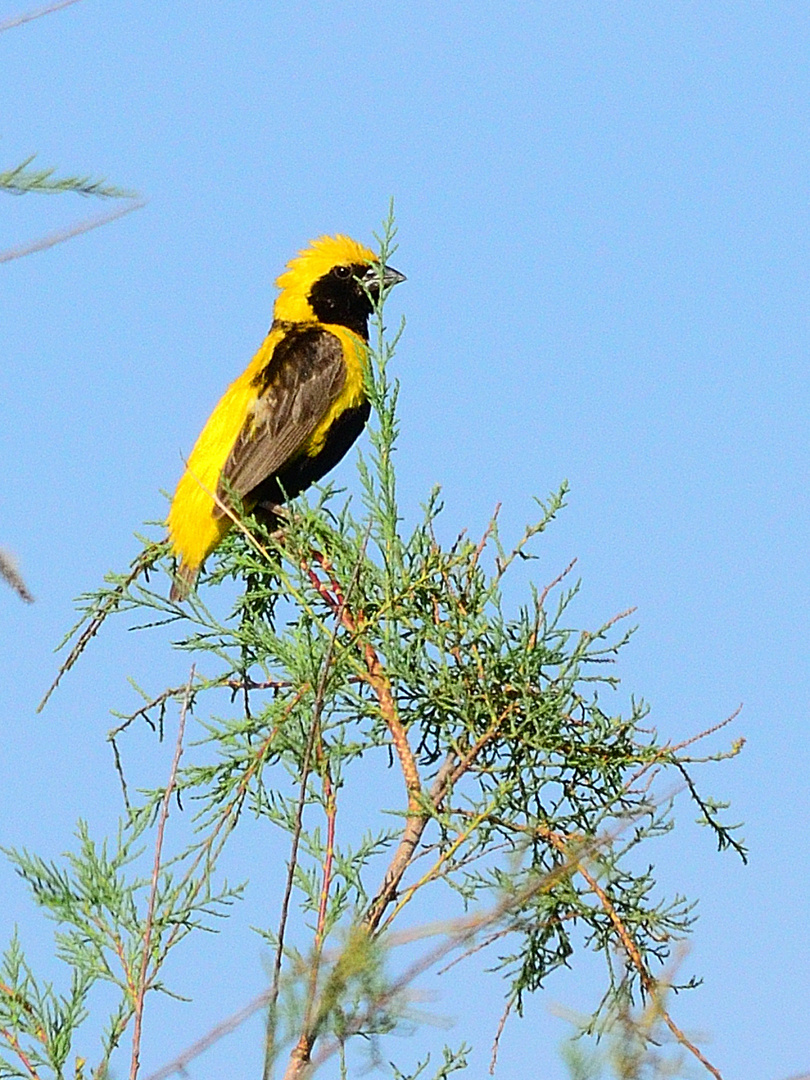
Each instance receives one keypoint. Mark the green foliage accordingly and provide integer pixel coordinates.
(368, 665)
(22, 179)
(453, 1061)
(100, 902)
(38, 1024)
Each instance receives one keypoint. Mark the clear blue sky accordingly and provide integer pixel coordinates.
(603, 215)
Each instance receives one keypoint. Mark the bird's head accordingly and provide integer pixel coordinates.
(329, 282)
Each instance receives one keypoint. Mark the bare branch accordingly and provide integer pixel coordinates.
(143, 562)
(650, 984)
(58, 237)
(225, 1027)
(29, 16)
(305, 1042)
(143, 980)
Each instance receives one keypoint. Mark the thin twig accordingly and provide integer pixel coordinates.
(144, 561)
(478, 947)
(230, 815)
(58, 237)
(725, 839)
(493, 1061)
(18, 20)
(457, 931)
(703, 734)
(323, 906)
(329, 857)
(648, 981)
(557, 581)
(302, 1051)
(143, 980)
(453, 775)
(225, 1027)
(285, 903)
(444, 858)
(176, 691)
(448, 775)
(668, 752)
(119, 768)
(377, 679)
(414, 828)
(14, 1043)
(482, 543)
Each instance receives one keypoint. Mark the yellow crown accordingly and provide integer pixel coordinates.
(308, 266)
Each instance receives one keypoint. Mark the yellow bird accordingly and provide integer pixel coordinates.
(297, 408)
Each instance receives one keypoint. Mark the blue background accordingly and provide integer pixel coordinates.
(603, 219)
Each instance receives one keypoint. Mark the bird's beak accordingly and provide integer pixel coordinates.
(390, 277)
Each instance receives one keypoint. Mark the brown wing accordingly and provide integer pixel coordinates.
(304, 375)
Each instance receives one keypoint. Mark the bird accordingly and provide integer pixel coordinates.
(294, 411)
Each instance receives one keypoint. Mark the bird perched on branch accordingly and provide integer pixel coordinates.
(294, 412)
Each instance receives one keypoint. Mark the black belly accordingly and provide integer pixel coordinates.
(298, 474)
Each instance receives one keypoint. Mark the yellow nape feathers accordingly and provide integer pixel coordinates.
(296, 409)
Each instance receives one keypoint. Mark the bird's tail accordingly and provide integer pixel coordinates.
(183, 582)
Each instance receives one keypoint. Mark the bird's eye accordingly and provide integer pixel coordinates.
(342, 271)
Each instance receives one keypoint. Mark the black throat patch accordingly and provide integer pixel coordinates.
(339, 298)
